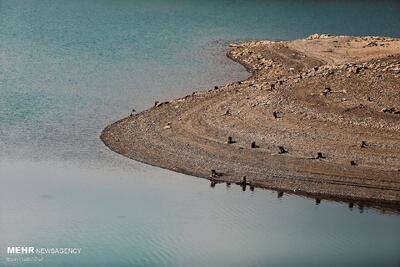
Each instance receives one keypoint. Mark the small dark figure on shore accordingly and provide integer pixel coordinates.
(282, 150)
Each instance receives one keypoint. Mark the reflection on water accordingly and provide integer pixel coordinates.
(147, 216)
(69, 68)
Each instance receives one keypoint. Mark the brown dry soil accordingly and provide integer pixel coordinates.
(334, 95)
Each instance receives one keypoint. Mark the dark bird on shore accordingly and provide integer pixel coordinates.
(213, 174)
(229, 140)
(282, 150)
(133, 112)
(363, 144)
(243, 182)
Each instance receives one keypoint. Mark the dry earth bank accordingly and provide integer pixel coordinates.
(319, 117)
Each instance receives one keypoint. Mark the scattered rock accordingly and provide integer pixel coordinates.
(372, 44)
(356, 70)
(389, 110)
(227, 113)
(326, 91)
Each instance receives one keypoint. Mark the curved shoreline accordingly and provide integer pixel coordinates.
(304, 97)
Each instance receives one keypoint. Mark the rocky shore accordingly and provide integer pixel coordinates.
(319, 117)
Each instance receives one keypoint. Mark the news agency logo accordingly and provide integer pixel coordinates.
(33, 250)
(20, 250)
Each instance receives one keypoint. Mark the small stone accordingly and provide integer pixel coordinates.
(388, 110)
(326, 91)
(227, 112)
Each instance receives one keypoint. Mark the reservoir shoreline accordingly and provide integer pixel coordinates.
(318, 117)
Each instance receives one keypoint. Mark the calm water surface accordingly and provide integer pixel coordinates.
(69, 68)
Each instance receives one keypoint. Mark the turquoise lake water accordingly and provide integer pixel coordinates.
(69, 68)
